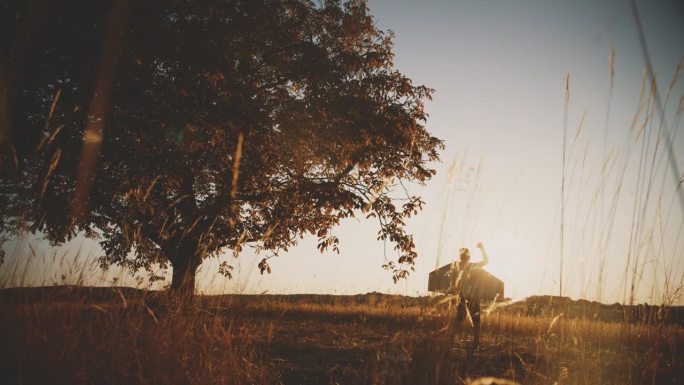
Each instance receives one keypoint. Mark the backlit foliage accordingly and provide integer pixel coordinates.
(230, 123)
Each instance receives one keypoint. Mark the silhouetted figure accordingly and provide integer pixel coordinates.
(462, 285)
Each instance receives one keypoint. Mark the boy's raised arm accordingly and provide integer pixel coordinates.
(485, 258)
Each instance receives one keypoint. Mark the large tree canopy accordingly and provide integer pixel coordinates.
(219, 123)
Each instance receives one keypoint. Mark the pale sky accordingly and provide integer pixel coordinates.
(499, 70)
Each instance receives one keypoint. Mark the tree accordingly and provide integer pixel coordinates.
(227, 123)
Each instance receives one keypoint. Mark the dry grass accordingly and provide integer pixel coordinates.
(114, 336)
(547, 350)
(146, 340)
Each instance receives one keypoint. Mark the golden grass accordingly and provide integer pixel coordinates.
(116, 336)
(143, 341)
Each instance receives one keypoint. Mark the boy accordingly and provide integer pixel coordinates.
(463, 287)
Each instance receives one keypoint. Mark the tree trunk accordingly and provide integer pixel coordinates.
(184, 261)
(183, 278)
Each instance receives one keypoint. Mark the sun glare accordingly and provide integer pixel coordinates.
(510, 258)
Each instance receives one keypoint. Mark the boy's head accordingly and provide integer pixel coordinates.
(465, 254)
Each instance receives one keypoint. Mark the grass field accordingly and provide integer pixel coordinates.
(70, 335)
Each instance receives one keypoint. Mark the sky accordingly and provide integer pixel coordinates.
(500, 70)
